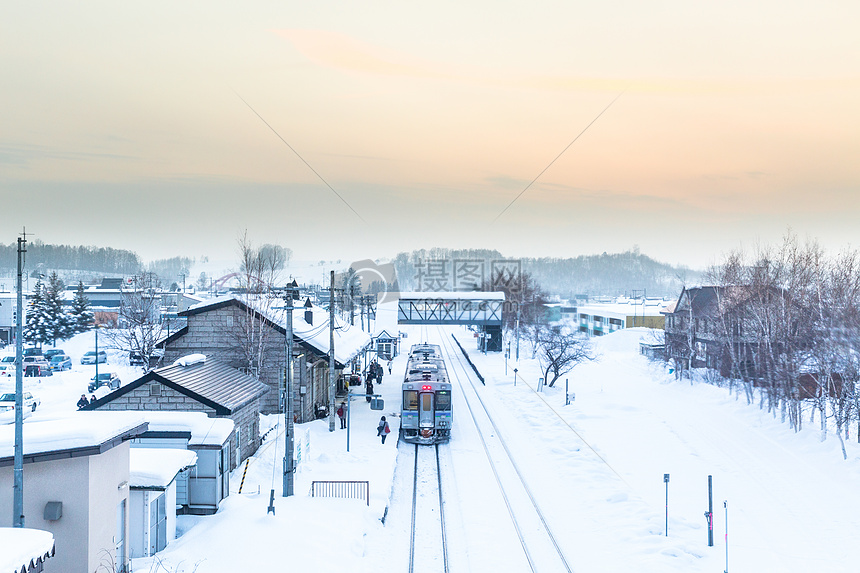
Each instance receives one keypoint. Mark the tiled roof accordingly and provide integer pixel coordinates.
(213, 383)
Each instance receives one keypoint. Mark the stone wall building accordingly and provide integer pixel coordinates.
(198, 385)
(251, 336)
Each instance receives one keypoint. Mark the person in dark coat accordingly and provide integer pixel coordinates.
(341, 413)
(369, 386)
(383, 429)
(389, 366)
(83, 401)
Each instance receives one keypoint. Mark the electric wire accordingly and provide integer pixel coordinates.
(558, 156)
(339, 196)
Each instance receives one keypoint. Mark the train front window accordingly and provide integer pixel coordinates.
(427, 402)
(443, 400)
(410, 400)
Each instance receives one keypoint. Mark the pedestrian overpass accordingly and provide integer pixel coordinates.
(481, 309)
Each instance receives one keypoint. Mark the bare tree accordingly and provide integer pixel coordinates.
(140, 328)
(560, 352)
(259, 272)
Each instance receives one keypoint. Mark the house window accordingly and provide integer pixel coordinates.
(155, 389)
(229, 322)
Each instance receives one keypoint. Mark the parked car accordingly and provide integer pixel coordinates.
(91, 357)
(136, 359)
(51, 352)
(7, 359)
(41, 368)
(33, 351)
(7, 369)
(109, 379)
(60, 362)
(7, 401)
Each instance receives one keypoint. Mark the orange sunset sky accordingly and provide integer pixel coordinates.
(123, 124)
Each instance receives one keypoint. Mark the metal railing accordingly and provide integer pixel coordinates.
(344, 489)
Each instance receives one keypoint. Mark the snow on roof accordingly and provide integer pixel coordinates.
(23, 545)
(349, 340)
(77, 430)
(190, 360)
(205, 431)
(620, 309)
(157, 467)
(465, 295)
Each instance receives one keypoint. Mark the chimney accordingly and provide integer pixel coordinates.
(309, 313)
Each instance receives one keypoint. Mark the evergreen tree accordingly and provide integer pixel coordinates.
(36, 329)
(80, 314)
(59, 323)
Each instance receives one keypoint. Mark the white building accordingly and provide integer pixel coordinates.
(598, 319)
(152, 500)
(76, 476)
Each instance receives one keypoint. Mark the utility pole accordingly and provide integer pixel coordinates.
(331, 380)
(18, 470)
(352, 305)
(289, 294)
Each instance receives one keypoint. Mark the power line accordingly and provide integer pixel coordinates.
(557, 156)
(300, 157)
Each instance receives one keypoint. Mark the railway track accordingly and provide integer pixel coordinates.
(537, 540)
(428, 546)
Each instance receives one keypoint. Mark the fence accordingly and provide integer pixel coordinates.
(345, 489)
(469, 360)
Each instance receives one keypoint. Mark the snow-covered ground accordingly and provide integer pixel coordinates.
(59, 393)
(596, 467)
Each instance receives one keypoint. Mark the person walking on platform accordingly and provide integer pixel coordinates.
(383, 429)
(341, 413)
(369, 387)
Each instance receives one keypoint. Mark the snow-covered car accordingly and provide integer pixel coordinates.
(7, 401)
(91, 357)
(109, 379)
(9, 358)
(61, 362)
(7, 369)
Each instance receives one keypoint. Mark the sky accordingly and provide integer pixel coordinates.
(359, 130)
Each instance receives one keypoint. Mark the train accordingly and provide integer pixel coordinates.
(426, 416)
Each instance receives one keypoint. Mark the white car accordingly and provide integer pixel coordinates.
(7, 406)
(7, 369)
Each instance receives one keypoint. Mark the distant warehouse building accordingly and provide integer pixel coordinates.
(599, 319)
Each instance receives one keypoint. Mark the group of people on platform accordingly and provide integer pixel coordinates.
(374, 373)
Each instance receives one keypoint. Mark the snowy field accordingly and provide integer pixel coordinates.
(596, 467)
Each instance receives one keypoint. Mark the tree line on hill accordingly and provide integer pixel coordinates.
(620, 274)
(69, 257)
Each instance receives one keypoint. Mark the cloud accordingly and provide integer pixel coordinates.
(346, 53)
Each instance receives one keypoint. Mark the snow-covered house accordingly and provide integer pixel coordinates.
(200, 489)
(386, 344)
(197, 384)
(25, 550)
(76, 485)
(222, 326)
(152, 499)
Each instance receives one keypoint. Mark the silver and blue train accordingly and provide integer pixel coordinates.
(426, 416)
